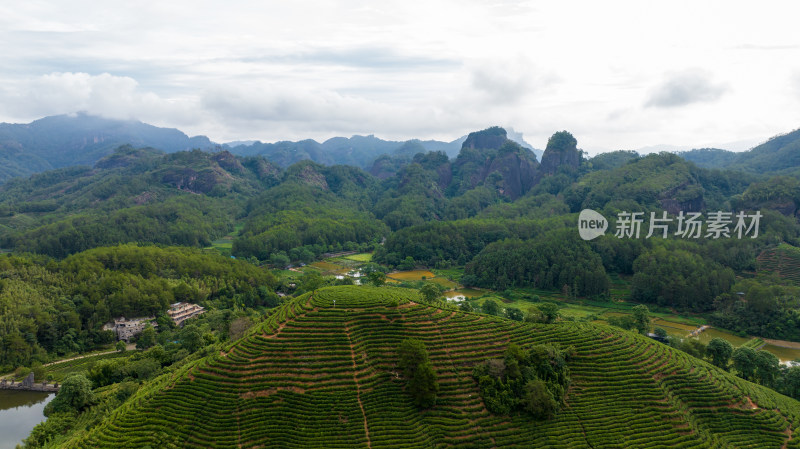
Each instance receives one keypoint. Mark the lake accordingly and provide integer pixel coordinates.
(20, 411)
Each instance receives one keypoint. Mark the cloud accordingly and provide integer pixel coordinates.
(375, 58)
(105, 94)
(681, 89)
(509, 81)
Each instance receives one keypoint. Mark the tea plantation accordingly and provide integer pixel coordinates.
(319, 375)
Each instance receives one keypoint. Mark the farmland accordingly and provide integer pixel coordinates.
(315, 374)
(783, 260)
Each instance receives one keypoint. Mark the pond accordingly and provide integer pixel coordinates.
(20, 411)
(463, 294)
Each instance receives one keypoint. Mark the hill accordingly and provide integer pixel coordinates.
(80, 139)
(358, 151)
(783, 260)
(322, 372)
(185, 198)
(779, 155)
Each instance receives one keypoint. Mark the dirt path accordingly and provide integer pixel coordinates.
(358, 387)
(128, 347)
(782, 343)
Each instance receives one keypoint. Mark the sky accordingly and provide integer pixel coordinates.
(616, 74)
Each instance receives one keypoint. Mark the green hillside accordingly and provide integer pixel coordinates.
(322, 372)
(777, 155)
(783, 260)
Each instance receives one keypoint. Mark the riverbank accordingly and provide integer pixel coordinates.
(43, 387)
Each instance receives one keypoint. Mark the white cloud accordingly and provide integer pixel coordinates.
(684, 88)
(105, 94)
(509, 81)
(439, 69)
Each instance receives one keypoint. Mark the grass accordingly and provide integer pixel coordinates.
(362, 257)
(60, 371)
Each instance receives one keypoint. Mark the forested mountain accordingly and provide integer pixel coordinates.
(359, 151)
(139, 195)
(142, 227)
(80, 139)
(492, 203)
(778, 155)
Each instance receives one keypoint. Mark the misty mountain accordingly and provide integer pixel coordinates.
(359, 151)
(780, 155)
(80, 139)
(83, 139)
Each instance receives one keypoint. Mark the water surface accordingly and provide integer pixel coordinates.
(20, 411)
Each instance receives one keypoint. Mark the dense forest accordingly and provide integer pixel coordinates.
(504, 215)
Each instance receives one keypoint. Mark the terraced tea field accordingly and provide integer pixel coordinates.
(783, 260)
(316, 375)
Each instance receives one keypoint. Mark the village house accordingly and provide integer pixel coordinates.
(129, 328)
(182, 311)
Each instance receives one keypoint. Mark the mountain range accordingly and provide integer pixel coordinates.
(83, 139)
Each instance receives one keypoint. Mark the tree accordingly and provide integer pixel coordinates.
(549, 312)
(791, 382)
(515, 314)
(660, 332)
(744, 360)
(693, 347)
(534, 381)
(311, 281)
(429, 291)
(538, 401)
(39, 371)
(641, 317)
(424, 386)
(191, 338)
(407, 264)
(720, 351)
(491, 307)
(147, 338)
(411, 353)
(377, 278)
(75, 394)
(421, 379)
(120, 346)
(767, 368)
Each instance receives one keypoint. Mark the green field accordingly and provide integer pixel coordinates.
(783, 260)
(362, 257)
(60, 371)
(315, 375)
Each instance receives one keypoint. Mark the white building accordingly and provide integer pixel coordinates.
(182, 311)
(129, 328)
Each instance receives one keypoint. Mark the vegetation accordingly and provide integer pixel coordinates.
(394, 366)
(54, 308)
(355, 398)
(417, 369)
(533, 381)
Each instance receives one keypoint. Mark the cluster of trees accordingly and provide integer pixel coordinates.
(679, 279)
(186, 221)
(444, 243)
(421, 380)
(55, 307)
(554, 261)
(534, 381)
(755, 308)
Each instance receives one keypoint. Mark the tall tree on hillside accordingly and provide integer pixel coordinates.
(720, 351)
